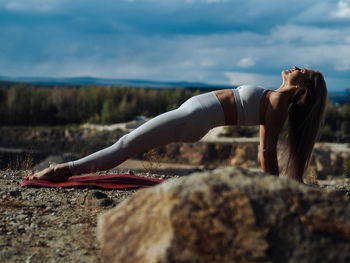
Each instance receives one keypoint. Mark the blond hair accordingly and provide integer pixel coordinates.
(306, 115)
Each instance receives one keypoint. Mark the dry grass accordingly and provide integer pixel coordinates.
(28, 162)
(154, 161)
(311, 177)
(25, 165)
(345, 174)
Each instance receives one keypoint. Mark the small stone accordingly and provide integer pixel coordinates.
(131, 172)
(15, 193)
(99, 195)
(40, 206)
(41, 243)
(21, 230)
(21, 217)
(31, 229)
(106, 202)
(58, 253)
(29, 213)
(15, 252)
(29, 258)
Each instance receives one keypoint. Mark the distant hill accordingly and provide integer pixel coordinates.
(81, 81)
(336, 97)
(339, 97)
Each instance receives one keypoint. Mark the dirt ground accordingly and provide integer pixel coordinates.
(52, 224)
(59, 224)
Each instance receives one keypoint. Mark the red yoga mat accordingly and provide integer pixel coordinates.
(109, 181)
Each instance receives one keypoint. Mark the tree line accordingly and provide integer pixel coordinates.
(26, 105)
(30, 105)
(337, 122)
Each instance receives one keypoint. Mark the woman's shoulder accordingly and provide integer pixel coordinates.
(276, 112)
(277, 98)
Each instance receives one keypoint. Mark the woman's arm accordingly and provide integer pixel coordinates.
(275, 115)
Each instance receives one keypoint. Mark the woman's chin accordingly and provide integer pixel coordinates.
(284, 74)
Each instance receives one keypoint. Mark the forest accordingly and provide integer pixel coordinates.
(30, 105)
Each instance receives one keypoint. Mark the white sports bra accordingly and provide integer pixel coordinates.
(248, 99)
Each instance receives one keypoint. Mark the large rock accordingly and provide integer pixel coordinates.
(331, 159)
(212, 153)
(228, 215)
(328, 159)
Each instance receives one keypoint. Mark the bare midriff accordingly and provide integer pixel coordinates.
(229, 106)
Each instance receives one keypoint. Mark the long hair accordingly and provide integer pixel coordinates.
(306, 115)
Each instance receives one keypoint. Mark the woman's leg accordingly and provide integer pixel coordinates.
(189, 123)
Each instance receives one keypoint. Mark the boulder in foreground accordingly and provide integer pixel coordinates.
(228, 215)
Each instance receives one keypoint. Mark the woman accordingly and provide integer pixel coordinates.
(302, 98)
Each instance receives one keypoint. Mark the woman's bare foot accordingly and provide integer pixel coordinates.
(57, 173)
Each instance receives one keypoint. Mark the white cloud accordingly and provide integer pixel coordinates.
(343, 11)
(41, 6)
(207, 62)
(246, 62)
(214, 1)
(188, 63)
(343, 66)
(310, 11)
(240, 78)
(206, 1)
(341, 57)
(97, 48)
(307, 35)
(336, 57)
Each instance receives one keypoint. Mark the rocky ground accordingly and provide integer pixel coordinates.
(59, 224)
(228, 215)
(51, 224)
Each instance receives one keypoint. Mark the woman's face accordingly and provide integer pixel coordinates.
(296, 76)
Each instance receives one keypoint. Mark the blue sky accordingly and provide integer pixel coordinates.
(212, 41)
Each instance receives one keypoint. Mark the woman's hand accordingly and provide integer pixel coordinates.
(57, 173)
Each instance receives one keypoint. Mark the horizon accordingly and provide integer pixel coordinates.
(220, 42)
(133, 83)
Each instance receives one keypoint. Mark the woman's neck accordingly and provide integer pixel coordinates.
(289, 90)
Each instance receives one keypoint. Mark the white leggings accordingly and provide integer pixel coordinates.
(189, 123)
